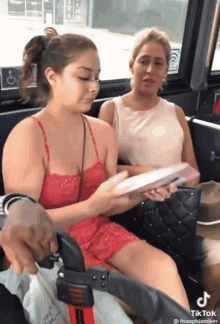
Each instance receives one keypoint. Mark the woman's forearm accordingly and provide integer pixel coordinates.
(71, 214)
(124, 207)
(134, 169)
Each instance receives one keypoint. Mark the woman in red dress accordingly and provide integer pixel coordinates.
(43, 158)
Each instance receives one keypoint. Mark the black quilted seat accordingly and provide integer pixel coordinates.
(175, 233)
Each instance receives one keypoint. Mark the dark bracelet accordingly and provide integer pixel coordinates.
(10, 199)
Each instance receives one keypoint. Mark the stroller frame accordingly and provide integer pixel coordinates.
(75, 286)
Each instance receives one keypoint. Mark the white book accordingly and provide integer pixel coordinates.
(177, 174)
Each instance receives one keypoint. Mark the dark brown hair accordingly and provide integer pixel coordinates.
(49, 50)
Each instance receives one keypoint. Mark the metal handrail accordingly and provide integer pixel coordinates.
(203, 123)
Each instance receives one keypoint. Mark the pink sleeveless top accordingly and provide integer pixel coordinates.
(98, 238)
(153, 137)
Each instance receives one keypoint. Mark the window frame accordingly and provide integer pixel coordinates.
(214, 76)
(176, 83)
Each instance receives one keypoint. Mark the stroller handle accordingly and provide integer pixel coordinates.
(70, 251)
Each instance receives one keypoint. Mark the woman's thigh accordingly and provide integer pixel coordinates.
(141, 260)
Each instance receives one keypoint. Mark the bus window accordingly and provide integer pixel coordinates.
(111, 24)
(216, 59)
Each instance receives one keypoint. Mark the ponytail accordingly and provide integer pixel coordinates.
(32, 58)
(50, 50)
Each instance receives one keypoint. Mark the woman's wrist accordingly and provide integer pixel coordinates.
(91, 208)
(9, 200)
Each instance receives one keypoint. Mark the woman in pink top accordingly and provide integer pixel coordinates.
(43, 159)
(151, 131)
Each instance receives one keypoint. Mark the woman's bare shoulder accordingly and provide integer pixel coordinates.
(180, 112)
(27, 130)
(107, 111)
(103, 132)
(98, 124)
(108, 104)
(182, 120)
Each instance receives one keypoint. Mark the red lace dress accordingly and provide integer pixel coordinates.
(98, 238)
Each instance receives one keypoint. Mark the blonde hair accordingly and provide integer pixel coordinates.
(151, 35)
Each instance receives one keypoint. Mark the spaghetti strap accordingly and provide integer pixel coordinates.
(45, 140)
(93, 138)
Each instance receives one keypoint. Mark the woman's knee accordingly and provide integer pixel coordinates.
(143, 260)
(166, 264)
(158, 262)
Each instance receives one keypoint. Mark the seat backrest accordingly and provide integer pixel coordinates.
(206, 141)
(7, 122)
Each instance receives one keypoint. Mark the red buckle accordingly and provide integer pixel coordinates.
(81, 315)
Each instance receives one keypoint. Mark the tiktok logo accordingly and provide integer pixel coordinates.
(203, 301)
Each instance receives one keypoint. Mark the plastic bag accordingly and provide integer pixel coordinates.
(37, 294)
(17, 285)
(41, 301)
(107, 310)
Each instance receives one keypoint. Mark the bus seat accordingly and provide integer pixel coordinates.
(205, 131)
(94, 111)
(208, 102)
